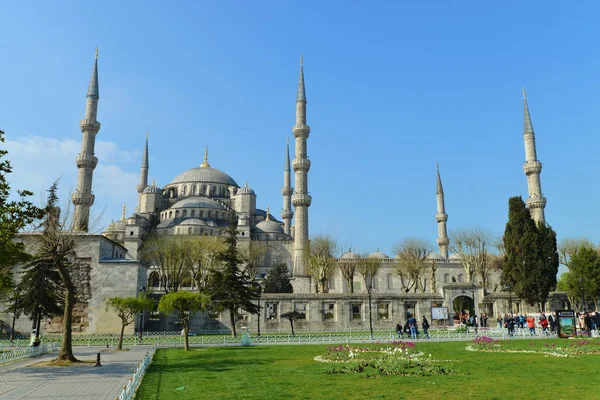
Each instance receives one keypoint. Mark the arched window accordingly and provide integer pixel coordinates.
(390, 281)
(170, 214)
(185, 213)
(222, 191)
(209, 214)
(190, 230)
(154, 280)
(446, 278)
(204, 190)
(184, 191)
(461, 278)
(194, 190)
(193, 213)
(214, 191)
(178, 230)
(176, 213)
(201, 213)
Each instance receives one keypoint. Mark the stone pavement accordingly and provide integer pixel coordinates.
(23, 380)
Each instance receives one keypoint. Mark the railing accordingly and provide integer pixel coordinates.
(136, 378)
(26, 352)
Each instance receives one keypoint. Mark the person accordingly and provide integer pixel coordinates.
(499, 321)
(531, 325)
(407, 329)
(551, 322)
(510, 324)
(554, 322)
(544, 324)
(399, 329)
(425, 325)
(412, 323)
(521, 321)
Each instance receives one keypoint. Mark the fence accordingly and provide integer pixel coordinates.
(25, 352)
(136, 378)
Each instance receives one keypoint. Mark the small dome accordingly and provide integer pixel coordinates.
(433, 256)
(378, 254)
(198, 202)
(116, 226)
(263, 213)
(268, 226)
(193, 221)
(246, 190)
(349, 255)
(454, 256)
(153, 189)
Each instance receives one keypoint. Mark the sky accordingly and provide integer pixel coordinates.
(392, 86)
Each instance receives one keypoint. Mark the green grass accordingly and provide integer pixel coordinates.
(289, 372)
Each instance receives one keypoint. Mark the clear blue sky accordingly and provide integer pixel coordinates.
(393, 87)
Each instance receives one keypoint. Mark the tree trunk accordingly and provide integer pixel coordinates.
(292, 324)
(232, 320)
(120, 345)
(37, 327)
(186, 344)
(66, 350)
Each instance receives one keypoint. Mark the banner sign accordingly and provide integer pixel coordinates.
(439, 313)
(566, 323)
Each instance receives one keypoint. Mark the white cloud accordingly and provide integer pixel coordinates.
(37, 162)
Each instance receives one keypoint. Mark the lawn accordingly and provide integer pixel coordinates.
(290, 372)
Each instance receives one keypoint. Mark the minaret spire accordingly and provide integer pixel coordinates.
(86, 161)
(301, 199)
(205, 163)
(143, 174)
(441, 217)
(286, 212)
(532, 168)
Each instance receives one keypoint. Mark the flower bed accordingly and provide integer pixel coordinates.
(562, 349)
(396, 358)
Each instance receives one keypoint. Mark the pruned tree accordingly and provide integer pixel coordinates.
(127, 309)
(291, 316)
(184, 304)
(321, 260)
(568, 247)
(348, 271)
(278, 279)
(230, 287)
(411, 264)
(15, 215)
(471, 247)
(252, 257)
(172, 258)
(203, 252)
(368, 267)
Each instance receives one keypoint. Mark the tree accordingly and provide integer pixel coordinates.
(278, 279)
(321, 260)
(172, 257)
(368, 267)
(127, 309)
(583, 278)
(411, 265)
(252, 257)
(564, 284)
(470, 245)
(569, 246)
(231, 287)
(348, 270)
(291, 316)
(203, 252)
(529, 267)
(185, 305)
(14, 217)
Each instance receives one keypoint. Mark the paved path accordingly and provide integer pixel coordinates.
(23, 380)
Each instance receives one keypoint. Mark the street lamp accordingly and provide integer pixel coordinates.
(140, 327)
(369, 290)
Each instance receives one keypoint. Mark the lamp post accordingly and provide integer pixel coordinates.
(369, 290)
(140, 327)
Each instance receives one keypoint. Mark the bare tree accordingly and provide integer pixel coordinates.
(171, 257)
(368, 267)
(470, 245)
(568, 247)
(411, 263)
(321, 261)
(432, 278)
(252, 257)
(348, 270)
(203, 251)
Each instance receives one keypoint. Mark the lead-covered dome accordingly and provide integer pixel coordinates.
(378, 254)
(204, 175)
(349, 255)
(268, 226)
(198, 202)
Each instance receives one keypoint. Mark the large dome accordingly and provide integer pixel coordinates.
(198, 202)
(204, 175)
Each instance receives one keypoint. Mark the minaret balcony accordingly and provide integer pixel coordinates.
(301, 131)
(301, 164)
(287, 214)
(443, 241)
(301, 200)
(536, 202)
(441, 217)
(287, 191)
(85, 160)
(89, 125)
(80, 199)
(532, 167)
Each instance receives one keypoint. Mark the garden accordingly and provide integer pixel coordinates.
(482, 369)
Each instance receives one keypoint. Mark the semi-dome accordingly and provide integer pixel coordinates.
(198, 202)
(204, 175)
(378, 254)
(193, 221)
(349, 255)
(268, 226)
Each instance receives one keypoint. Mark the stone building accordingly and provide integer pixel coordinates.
(203, 199)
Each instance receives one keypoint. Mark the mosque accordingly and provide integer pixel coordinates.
(202, 200)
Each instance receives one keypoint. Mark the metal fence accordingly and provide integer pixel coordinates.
(136, 379)
(25, 352)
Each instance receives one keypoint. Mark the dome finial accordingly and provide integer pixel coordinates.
(153, 182)
(267, 218)
(205, 163)
(123, 213)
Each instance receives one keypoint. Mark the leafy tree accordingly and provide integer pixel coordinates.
(583, 278)
(231, 287)
(529, 267)
(411, 263)
(14, 217)
(127, 309)
(573, 292)
(291, 316)
(185, 305)
(278, 279)
(321, 261)
(204, 252)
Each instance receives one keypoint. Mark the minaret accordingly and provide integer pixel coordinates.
(532, 168)
(86, 161)
(301, 199)
(287, 213)
(143, 175)
(441, 217)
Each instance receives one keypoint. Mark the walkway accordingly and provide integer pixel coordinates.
(23, 380)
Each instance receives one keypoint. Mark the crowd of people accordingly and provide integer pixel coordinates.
(411, 328)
